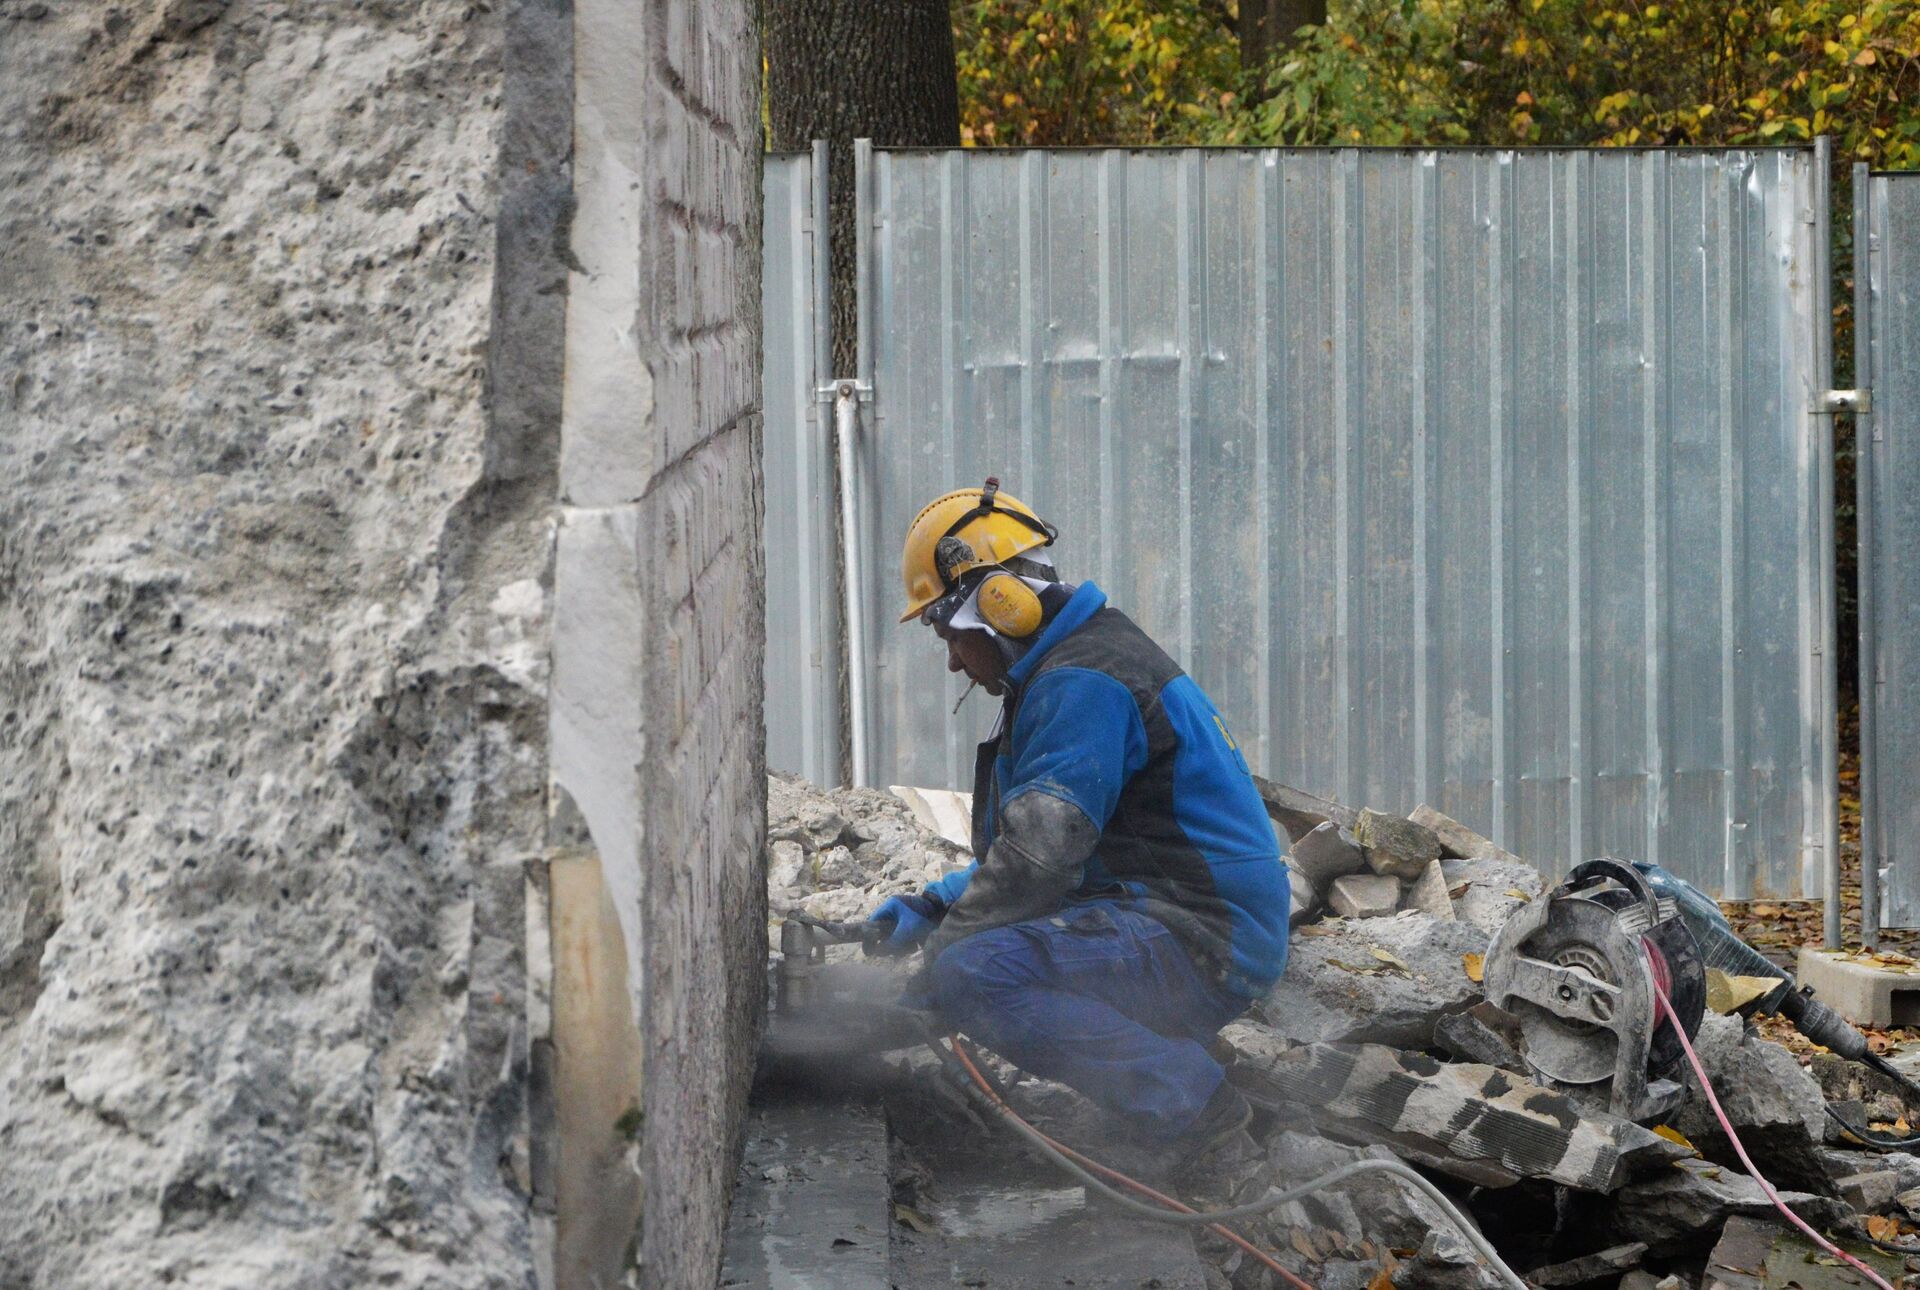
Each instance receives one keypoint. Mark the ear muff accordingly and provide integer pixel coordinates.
(1009, 606)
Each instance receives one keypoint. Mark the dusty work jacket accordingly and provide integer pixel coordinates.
(1145, 801)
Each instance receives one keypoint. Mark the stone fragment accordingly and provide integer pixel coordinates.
(1326, 853)
(1395, 846)
(786, 866)
(1364, 895)
(1494, 889)
(1299, 813)
(1765, 1254)
(1869, 1193)
(1469, 1037)
(1877, 1097)
(1477, 1123)
(1774, 1104)
(1639, 1279)
(1909, 1203)
(1844, 1162)
(1305, 899)
(1428, 894)
(1336, 988)
(836, 867)
(1681, 1209)
(1457, 841)
(1369, 1205)
(1602, 1265)
(1445, 1261)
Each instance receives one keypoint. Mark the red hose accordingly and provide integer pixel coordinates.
(1114, 1175)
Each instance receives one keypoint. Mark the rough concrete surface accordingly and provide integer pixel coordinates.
(272, 647)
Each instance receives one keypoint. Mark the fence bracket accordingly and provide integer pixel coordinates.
(1832, 401)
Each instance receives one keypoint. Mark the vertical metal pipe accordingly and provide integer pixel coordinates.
(846, 420)
(822, 372)
(1829, 678)
(1865, 575)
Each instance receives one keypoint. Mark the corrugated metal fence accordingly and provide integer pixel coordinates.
(1887, 340)
(1484, 478)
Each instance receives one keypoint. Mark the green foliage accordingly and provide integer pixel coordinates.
(1617, 72)
(1063, 73)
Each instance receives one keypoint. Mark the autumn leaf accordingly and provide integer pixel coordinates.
(1388, 956)
(1882, 1228)
(1476, 967)
(1672, 1134)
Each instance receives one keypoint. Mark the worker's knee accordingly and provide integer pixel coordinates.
(981, 968)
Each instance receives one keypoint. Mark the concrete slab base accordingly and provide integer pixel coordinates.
(1865, 992)
(811, 1208)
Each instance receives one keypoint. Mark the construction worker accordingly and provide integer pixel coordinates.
(1127, 899)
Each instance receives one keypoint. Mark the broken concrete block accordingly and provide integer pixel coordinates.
(1762, 1254)
(1299, 813)
(1643, 1280)
(1457, 841)
(1445, 1261)
(1681, 1208)
(1326, 853)
(1909, 1203)
(1869, 1193)
(1475, 1122)
(1337, 987)
(1774, 1104)
(1394, 846)
(786, 866)
(1428, 894)
(1389, 1213)
(1469, 1037)
(1844, 1162)
(1877, 1097)
(1305, 899)
(1364, 895)
(1494, 889)
(1602, 1265)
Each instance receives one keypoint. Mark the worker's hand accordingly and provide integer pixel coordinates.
(913, 919)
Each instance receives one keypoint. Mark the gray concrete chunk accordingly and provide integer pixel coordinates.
(1457, 841)
(1775, 1105)
(1681, 1209)
(1305, 898)
(1325, 853)
(1869, 1193)
(1364, 895)
(1336, 987)
(1428, 894)
(1477, 1123)
(1395, 846)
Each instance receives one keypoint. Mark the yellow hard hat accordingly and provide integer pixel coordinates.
(962, 531)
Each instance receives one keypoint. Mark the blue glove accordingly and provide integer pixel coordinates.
(913, 919)
(949, 889)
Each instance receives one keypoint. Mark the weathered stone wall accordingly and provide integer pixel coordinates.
(272, 640)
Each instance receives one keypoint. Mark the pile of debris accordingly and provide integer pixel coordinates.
(1379, 1040)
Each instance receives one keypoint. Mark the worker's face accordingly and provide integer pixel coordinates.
(973, 652)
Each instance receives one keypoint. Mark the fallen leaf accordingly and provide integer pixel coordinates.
(1476, 967)
(1302, 1243)
(1388, 956)
(1727, 993)
(1881, 1228)
(914, 1218)
(1382, 1280)
(1517, 894)
(1673, 1135)
(1369, 970)
(1454, 893)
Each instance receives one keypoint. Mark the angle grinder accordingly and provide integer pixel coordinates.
(1577, 966)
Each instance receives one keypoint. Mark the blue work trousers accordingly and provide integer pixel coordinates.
(1101, 998)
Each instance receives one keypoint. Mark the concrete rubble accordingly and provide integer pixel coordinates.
(1378, 1041)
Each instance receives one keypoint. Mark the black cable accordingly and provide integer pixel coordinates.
(1884, 1141)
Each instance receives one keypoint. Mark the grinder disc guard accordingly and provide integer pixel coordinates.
(1577, 967)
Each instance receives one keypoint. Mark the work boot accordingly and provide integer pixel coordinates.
(1217, 1163)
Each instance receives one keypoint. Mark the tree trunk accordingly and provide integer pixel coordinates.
(1267, 26)
(842, 70)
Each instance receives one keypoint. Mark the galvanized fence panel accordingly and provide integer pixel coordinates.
(1887, 337)
(1483, 478)
(804, 654)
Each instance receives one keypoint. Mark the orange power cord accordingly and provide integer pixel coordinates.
(1132, 1184)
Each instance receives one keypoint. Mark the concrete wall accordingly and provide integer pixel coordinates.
(660, 747)
(273, 641)
(316, 660)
